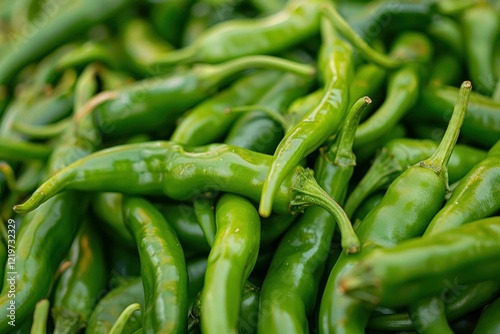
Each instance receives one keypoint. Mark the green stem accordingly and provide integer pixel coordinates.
(369, 53)
(306, 192)
(120, 323)
(203, 209)
(212, 75)
(42, 131)
(439, 160)
(276, 116)
(40, 317)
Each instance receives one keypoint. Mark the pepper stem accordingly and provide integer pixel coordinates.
(306, 192)
(341, 150)
(212, 75)
(41, 131)
(120, 323)
(371, 54)
(276, 116)
(40, 317)
(439, 160)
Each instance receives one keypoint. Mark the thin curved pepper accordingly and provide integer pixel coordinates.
(460, 256)
(163, 268)
(291, 285)
(230, 262)
(79, 286)
(205, 215)
(122, 320)
(183, 172)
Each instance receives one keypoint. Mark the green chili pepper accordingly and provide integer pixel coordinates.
(89, 52)
(488, 322)
(402, 91)
(196, 274)
(230, 262)
(460, 256)
(290, 288)
(449, 32)
(122, 263)
(481, 26)
(446, 70)
(482, 125)
(195, 171)
(120, 323)
(209, 120)
(367, 205)
(67, 21)
(403, 213)
(109, 308)
(163, 268)
(367, 152)
(40, 317)
(79, 286)
(205, 215)
(141, 106)
(257, 131)
(14, 150)
(168, 18)
(397, 155)
(297, 21)
(367, 81)
(315, 126)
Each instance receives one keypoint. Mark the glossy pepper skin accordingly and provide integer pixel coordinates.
(184, 172)
(298, 20)
(399, 154)
(69, 20)
(488, 321)
(163, 268)
(112, 304)
(462, 255)
(403, 213)
(230, 262)
(79, 286)
(141, 107)
(209, 121)
(291, 285)
(315, 126)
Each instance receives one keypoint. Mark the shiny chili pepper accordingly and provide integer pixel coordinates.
(168, 18)
(163, 268)
(209, 120)
(488, 321)
(230, 262)
(460, 256)
(141, 106)
(403, 213)
(205, 215)
(297, 21)
(291, 285)
(399, 154)
(80, 285)
(196, 170)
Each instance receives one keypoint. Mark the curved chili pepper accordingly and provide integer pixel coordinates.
(79, 285)
(291, 285)
(297, 21)
(482, 125)
(401, 153)
(315, 126)
(141, 106)
(68, 21)
(195, 171)
(488, 321)
(481, 26)
(209, 120)
(459, 256)
(14, 150)
(162, 265)
(111, 305)
(404, 212)
(230, 262)
(120, 323)
(205, 215)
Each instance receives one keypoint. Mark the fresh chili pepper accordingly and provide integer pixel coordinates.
(217, 167)
(367, 152)
(209, 121)
(446, 70)
(401, 153)
(120, 323)
(368, 80)
(163, 268)
(488, 322)
(122, 263)
(482, 125)
(68, 21)
(448, 32)
(196, 274)
(205, 215)
(111, 305)
(40, 317)
(291, 285)
(79, 286)
(230, 262)
(460, 256)
(367, 205)
(169, 19)
(90, 52)
(315, 126)
(403, 213)
(13, 150)
(481, 26)
(257, 131)
(141, 106)
(297, 21)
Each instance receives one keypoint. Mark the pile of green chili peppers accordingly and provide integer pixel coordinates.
(249, 166)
